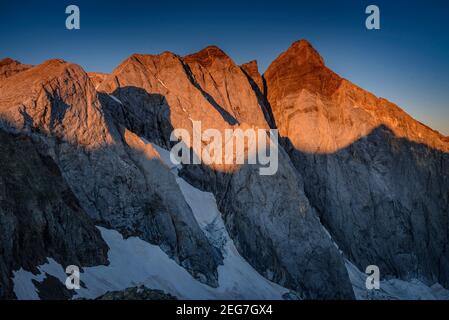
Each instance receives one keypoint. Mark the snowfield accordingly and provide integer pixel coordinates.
(135, 262)
(394, 289)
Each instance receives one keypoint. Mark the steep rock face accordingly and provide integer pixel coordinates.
(258, 85)
(269, 218)
(252, 70)
(57, 103)
(378, 178)
(329, 111)
(155, 96)
(226, 84)
(97, 78)
(277, 231)
(40, 217)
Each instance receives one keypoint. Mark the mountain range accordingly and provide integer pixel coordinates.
(86, 180)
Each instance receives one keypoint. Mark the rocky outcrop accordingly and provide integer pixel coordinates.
(251, 69)
(377, 177)
(40, 216)
(226, 85)
(258, 85)
(97, 78)
(137, 293)
(9, 67)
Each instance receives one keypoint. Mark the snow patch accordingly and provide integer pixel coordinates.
(115, 99)
(394, 289)
(23, 280)
(133, 262)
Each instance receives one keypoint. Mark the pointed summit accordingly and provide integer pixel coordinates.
(208, 56)
(300, 67)
(307, 97)
(251, 69)
(305, 52)
(7, 61)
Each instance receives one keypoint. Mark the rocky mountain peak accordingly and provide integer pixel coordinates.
(55, 97)
(10, 67)
(304, 53)
(207, 56)
(252, 71)
(97, 78)
(7, 61)
(322, 112)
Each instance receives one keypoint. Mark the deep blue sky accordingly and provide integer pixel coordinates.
(407, 61)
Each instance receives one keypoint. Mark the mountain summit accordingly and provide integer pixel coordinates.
(87, 179)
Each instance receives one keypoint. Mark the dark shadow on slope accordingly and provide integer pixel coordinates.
(262, 100)
(145, 114)
(148, 116)
(226, 115)
(58, 110)
(108, 185)
(249, 231)
(40, 216)
(385, 201)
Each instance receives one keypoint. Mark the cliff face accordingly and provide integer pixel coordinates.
(264, 215)
(81, 149)
(57, 104)
(329, 111)
(40, 216)
(378, 178)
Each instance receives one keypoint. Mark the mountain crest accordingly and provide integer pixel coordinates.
(208, 56)
(304, 53)
(10, 67)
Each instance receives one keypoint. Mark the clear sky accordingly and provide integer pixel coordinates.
(407, 61)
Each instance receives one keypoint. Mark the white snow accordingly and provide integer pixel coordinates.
(394, 289)
(23, 284)
(164, 155)
(134, 262)
(115, 99)
(237, 278)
